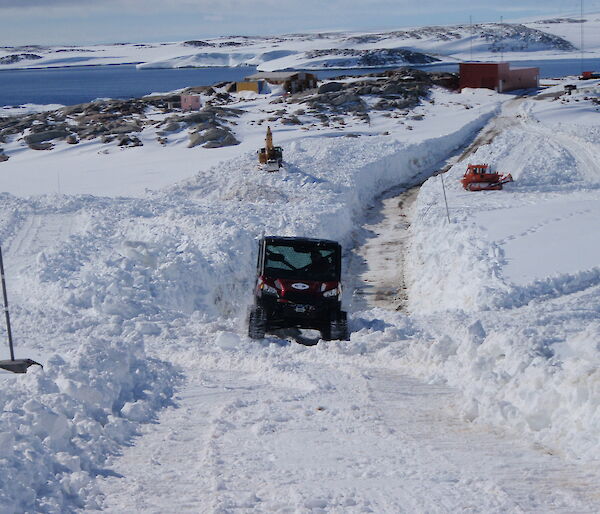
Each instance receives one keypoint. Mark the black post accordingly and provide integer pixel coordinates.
(10, 341)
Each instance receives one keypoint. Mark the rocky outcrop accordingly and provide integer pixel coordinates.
(15, 58)
(212, 138)
(291, 120)
(41, 146)
(397, 89)
(171, 126)
(197, 43)
(330, 87)
(129, 140)
(120, 122)
(46, 135)
(350, 57)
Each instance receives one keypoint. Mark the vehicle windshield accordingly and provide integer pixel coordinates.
(301, 262)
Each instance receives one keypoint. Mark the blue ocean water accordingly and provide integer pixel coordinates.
(77, 84)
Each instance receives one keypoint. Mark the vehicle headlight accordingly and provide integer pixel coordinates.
(267, 289)
(331, 293)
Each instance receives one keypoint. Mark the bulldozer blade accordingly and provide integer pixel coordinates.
(18, 365)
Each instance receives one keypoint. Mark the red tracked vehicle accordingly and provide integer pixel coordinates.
(479, 177)
(298, 285)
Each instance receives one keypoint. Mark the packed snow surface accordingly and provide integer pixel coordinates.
(130, 272)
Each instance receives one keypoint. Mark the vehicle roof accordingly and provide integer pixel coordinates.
(306, 240)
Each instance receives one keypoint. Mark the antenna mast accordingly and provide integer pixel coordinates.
(501, 39)
(471, 24)
(581, 36)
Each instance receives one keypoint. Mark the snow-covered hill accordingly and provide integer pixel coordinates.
(536, 39)
(130, 270)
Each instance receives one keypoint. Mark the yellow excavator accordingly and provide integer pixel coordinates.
(271, 157)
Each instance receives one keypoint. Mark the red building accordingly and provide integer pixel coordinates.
(497, 76)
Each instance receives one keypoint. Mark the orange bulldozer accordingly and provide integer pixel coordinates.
(479, 177)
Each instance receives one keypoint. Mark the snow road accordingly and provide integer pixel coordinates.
(377, 260)
(364, 440)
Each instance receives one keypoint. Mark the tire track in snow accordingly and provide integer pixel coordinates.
(523, 477)
(583, 152)
(380, 248)
(39, 233)
(177, 466)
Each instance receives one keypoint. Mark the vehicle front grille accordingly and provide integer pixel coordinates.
(301, 298)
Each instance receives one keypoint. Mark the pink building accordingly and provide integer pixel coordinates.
(190, 102)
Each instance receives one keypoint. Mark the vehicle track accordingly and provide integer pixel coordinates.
(364, 439)
(38, 233)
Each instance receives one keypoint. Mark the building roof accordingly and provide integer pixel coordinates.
(273, 75)
(487, 63)
(525, 68)
(503, 63)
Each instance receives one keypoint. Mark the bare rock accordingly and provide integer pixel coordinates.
(203, 126)
(330, 87)
(228, 140)
(198, 43)
(212, 138)
(92, 131)
(199, 117)
(73, 109)
(41, 146)
(196, 139)
(46, 135)
(129, 140)
(367, 90)
(292, 120)
(124, 128)
(14, 58)
(214, 134)
(345, 98)
(171, 126)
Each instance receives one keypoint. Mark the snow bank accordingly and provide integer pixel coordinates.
(532, 380)
(60, 424)
(509, 289)
(523, 378)
(326, 202)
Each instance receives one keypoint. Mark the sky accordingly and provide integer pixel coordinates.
(65, 22)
